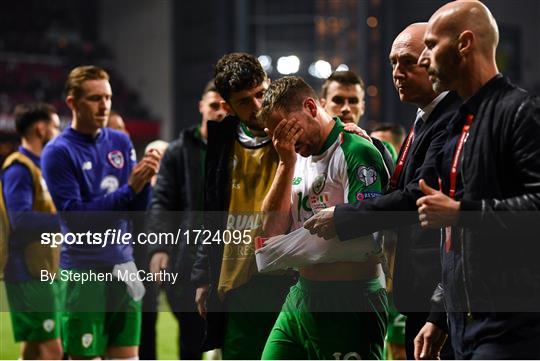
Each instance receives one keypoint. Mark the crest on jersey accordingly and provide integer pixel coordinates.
(110, 183)
(367, 175)
(116, 158)
(48, 325)
(87, 339)
(318, 183)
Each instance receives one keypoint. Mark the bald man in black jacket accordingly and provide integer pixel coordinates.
(417, 264)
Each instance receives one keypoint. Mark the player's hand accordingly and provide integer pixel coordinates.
(284, 137)
(144, 170)
(436, 209)
(355, 129)
(429, 342)
(200, 299)
(322, 224)
(159, 261)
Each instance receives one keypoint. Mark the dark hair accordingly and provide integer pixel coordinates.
(210, 87)
(30, 113)
(345, 77)
(236, 72)
(80, 74)
(287, 93)
(398, 132)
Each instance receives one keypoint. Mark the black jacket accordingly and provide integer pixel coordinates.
(496, 268)
(417, 264)
(221, 138)
(177, 198)
(216, 193)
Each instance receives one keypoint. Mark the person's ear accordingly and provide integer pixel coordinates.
(200, 106)
(40, 129)
(70, 101)
(323, 102)
(310, 105)
(227, 107)
(465, 42)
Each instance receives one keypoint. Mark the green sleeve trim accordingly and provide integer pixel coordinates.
(246, 130)
(336, 129)
(392, 150)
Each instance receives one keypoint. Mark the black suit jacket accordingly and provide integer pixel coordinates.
(417, 264)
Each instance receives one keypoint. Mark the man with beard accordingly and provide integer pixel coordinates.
(240, 166)
(489, 169)
(337, 309)
(417, 265)
(34, 305)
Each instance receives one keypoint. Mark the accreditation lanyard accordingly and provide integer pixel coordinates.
(454, 172)
(401, 161)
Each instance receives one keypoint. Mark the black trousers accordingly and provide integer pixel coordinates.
(192, 326)
(495, 336)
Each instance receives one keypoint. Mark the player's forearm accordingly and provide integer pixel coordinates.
(276, 206)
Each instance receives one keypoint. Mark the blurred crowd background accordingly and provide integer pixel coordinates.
(160, 53)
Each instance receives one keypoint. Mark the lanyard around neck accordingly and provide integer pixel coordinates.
(457, 155)
(402, 158)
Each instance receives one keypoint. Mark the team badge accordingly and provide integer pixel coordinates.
(48, 325)
(367, 175)
(109, 183)
(318, 183)
(116, 158)
(87, 339)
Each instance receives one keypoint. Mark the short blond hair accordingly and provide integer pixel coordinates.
(81, 74)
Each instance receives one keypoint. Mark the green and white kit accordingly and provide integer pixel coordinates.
(333, 319)
(349, 169)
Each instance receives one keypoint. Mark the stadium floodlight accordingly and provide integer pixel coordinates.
(288, 64)
(266, 62)
(320, 69)
(342, 67)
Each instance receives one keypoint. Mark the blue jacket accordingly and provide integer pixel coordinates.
(88, 181)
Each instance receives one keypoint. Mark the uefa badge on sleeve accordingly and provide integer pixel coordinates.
(367, 175)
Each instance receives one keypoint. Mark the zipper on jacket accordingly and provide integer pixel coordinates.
(463, 271)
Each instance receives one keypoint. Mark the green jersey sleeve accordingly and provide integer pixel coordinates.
(366, 173)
